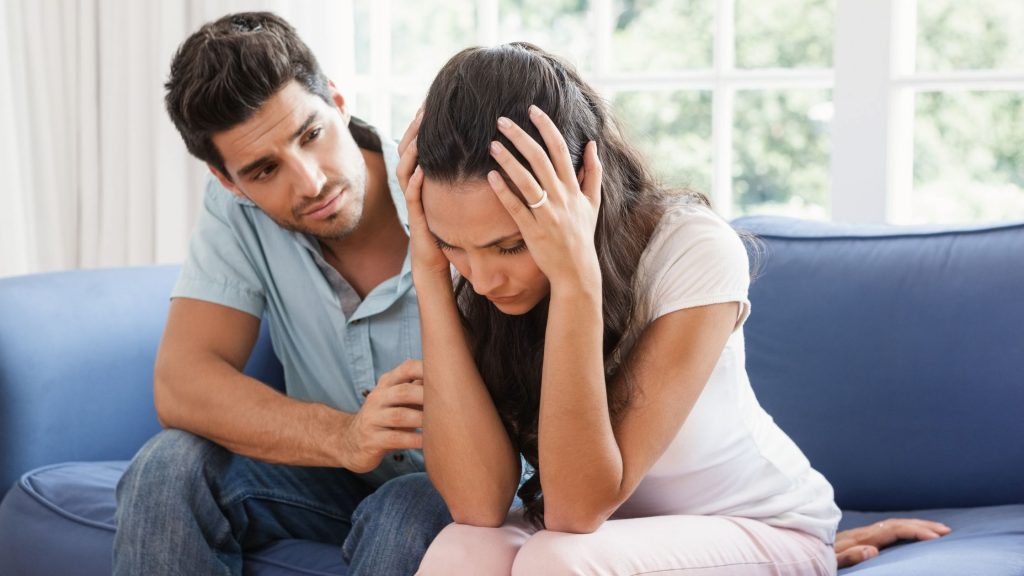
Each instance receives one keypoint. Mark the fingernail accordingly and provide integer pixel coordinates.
(534, 111)
(504, 122)
(496, 147)
(493, 176)
(417, 171)
(419, 113)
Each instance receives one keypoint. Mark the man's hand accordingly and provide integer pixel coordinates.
(860, 544)
(388, 419)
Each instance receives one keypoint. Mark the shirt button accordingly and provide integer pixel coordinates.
(399, 457)
(366, 393)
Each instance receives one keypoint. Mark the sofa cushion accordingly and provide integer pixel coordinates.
(59, 519)
(987, 541)
(893, 357)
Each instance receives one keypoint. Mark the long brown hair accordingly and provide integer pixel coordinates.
(473, 89)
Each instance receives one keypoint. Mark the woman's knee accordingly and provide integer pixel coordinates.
(463, 549)
(555, 553)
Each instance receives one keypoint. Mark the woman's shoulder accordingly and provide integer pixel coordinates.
(693, 232)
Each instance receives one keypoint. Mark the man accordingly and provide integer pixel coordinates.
(304, 225)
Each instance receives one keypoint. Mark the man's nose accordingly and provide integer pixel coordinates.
(310, 180)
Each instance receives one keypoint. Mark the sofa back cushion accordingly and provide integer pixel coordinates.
(894, 357)
(76, 364)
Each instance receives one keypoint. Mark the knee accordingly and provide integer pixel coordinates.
(556, 553)
(464, 549)
(410, 501)
(172, 462)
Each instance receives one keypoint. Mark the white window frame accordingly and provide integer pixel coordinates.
(873, 84)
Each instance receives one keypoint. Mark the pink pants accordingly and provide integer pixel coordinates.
(661, 545)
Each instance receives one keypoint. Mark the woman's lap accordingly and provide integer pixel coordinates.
(691, 545)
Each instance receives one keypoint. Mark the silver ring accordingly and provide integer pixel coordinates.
(543, 200)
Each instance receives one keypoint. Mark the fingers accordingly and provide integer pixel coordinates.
(918, 529)
(407, 164)
(516, 209)
(398, 418)
(407, 394)
(855, 555)
(411, 131)
(592, 173)
(407, 371)
(407, 151)
(535, 155)
(558, 151)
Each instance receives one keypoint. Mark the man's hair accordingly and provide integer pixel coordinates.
(226, 70)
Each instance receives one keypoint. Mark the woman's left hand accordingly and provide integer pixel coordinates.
(559, 217)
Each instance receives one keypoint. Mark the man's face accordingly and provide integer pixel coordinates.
(297, 161)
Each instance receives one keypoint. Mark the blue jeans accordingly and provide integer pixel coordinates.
(189, 506)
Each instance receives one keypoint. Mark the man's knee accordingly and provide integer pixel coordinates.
(409, 500)
(171, 462)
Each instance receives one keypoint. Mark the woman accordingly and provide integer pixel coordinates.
(595, 330)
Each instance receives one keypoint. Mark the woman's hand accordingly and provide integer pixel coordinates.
(560, 214)
(427, 258)
(860, 544)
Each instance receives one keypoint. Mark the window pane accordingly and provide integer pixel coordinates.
(785, 33)
(361, 29)
(980, 34)
(781, 152)
(662, 35)
(562, 27)
(968, 157)
(425, 36)
(673, 132)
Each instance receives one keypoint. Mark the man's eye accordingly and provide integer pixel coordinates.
(265, 172)
(314, 134)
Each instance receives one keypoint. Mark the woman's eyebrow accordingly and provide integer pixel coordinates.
(494, 242)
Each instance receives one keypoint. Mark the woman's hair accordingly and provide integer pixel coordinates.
(473, 89)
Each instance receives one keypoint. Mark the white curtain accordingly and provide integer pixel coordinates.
(92, 172)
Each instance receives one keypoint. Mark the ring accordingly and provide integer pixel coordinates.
(543, 200)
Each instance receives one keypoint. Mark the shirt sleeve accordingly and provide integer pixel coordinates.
(219, 268)
(698, 260)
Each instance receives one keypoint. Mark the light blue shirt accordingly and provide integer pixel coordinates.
(333, 346)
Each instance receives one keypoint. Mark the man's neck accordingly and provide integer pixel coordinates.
(376, 250)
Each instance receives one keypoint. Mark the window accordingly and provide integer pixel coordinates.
(855, 110)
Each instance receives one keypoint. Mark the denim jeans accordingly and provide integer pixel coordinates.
(189, 506)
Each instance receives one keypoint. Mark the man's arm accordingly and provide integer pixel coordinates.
(199, 387)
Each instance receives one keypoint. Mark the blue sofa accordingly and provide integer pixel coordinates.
(894, 357)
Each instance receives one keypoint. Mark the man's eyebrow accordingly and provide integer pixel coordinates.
(494, 242)
(259, 162)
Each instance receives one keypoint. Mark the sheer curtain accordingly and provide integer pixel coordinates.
(92, 172)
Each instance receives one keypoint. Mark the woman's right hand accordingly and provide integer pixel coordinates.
(428, 261)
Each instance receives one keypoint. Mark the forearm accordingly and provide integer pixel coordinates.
(468, 454)
(580, 461)
(212, 399)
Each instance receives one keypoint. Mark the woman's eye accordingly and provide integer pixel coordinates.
(513, 250)
(442, 245)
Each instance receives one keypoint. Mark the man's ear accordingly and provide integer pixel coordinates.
(339, 101)
(226, 182)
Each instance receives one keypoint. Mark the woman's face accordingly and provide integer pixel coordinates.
(483, 242)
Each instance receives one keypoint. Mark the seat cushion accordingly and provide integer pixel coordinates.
(59, 519)
(985, 541)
